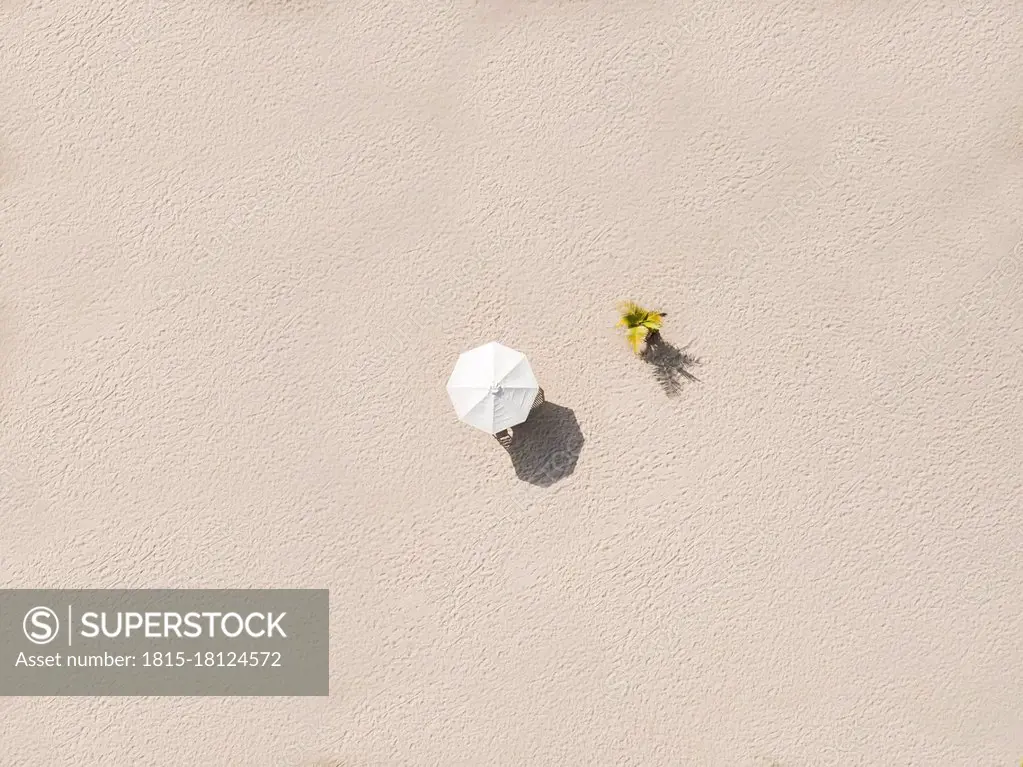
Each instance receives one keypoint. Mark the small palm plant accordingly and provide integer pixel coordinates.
(640, 324)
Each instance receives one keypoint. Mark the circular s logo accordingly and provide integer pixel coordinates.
(41, 625)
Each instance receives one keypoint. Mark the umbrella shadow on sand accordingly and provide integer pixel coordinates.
(545, 448)
(672, 365)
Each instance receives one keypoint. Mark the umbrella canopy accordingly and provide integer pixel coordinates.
(492, 387)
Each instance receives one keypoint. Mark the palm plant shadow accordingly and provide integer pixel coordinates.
(672, 365)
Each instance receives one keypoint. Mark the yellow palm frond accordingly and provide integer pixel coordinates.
(636, 335)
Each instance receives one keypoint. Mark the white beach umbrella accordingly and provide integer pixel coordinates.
(492, 387)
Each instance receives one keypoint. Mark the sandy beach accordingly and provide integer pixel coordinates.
(243, 243)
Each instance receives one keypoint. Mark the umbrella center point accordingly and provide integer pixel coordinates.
(496, 388)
